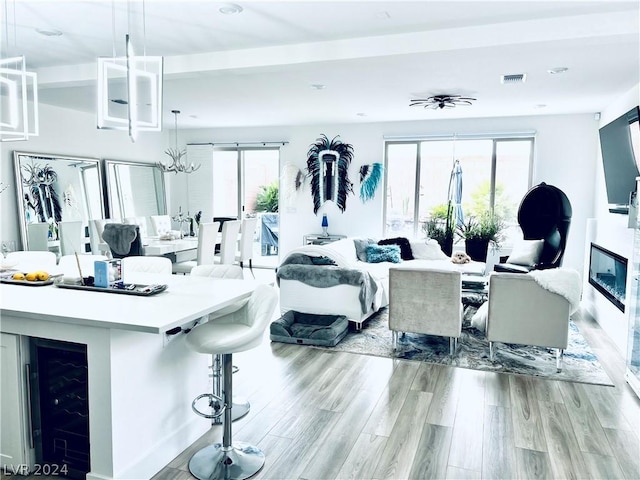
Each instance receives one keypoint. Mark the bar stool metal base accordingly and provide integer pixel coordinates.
(241, 461)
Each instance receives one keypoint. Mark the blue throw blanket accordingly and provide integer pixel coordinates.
(304, 268)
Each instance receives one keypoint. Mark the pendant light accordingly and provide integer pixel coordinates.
(130, 87)
(177, 164)
(18, 92)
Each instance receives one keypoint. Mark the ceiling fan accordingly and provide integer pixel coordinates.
(442, 101)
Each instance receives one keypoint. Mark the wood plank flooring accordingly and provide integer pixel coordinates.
(325, 415)
(322, 415)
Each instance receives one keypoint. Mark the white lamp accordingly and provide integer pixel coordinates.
(130, 92)
(18, 117)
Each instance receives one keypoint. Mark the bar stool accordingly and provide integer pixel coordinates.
(240, 406)
(237, 331)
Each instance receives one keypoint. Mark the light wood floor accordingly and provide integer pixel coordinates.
(333, 415)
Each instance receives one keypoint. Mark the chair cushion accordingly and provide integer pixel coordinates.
(526, 253)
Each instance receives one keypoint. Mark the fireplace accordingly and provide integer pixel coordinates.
(608, 274)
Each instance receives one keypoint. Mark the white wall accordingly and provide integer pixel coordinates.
(610, 231)
(66, 132)
(565, 156)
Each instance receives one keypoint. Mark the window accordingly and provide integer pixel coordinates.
(496, 173)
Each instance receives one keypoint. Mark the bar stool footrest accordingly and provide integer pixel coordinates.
(213, 400)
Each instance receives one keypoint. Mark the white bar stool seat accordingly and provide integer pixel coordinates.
(237, 331)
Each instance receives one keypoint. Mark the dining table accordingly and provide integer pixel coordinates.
(142, 376)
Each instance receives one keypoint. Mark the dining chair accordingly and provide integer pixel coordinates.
(68, 264)
(207, 238)
(70, 235)
(98, 245)
(245, 245)
(146, 264)
(38, 235)
(28, 261)
(161, 224)
(140, 222)
(228, 244)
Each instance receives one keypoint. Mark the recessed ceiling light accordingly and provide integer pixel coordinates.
(361, 114)
(49, 33)
(383, 14)
(557, 70)
(230, 9)
(541, 105)
(318, 86)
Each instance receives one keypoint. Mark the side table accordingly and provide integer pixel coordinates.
(319, 239)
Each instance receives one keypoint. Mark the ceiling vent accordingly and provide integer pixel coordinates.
(516, 78)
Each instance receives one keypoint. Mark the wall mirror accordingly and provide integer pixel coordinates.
(134, 189)
(52, 189)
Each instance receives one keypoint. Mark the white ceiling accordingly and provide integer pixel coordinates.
(373, 57)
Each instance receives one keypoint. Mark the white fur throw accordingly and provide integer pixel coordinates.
(563, 281)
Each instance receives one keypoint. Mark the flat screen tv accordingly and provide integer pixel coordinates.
(620, 145)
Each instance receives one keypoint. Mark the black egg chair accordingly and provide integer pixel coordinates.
(544, 214)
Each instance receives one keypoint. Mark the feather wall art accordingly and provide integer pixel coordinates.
(291, 181)
(327, 166)
(370, 176)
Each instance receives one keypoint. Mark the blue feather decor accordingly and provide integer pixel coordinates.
(370, 176)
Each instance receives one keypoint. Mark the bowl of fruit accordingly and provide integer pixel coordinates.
(34, 278)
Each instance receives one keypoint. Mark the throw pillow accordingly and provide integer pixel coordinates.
(403, 243)
(383, 253)
(479, 319)
(526, 253)
(361, 247)
(427, 250)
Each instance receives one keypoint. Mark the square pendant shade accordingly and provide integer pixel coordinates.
(130, 92)
(18, 100)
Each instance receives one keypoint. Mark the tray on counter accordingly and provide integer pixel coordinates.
(28, 283)
(135, 289)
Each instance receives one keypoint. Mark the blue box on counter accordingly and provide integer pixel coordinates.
(107, 273)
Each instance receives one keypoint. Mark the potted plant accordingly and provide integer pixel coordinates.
(480, 232)
(440, 227)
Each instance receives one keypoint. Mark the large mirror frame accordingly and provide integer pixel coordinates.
(54, 188)
(134, 189)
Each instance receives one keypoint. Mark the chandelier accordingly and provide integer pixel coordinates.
(177, 163)
(442, 101)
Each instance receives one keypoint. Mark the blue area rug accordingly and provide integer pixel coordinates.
(579, 363)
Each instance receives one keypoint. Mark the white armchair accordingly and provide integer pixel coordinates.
(521, 311)
(425, 300)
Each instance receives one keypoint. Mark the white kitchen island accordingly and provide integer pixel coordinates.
(140, 381)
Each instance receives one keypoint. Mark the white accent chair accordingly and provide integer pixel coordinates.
(245, 245)
(68, 265)
(522, 312)
(161, 224)
(229, 242)
(142, 224)
(71, 237)
(146, 264)
(427, 301)
(207, 238)
(237, 331)
(28, 261)
(38, 236)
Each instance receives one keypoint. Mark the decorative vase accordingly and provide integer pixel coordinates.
(477, 249)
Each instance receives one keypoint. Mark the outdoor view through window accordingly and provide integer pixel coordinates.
(421, 181)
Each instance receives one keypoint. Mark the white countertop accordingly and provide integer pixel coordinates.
(187, 298)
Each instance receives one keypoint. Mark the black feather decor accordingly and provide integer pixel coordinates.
(327, 167)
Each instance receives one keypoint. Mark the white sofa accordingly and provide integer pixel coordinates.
(346, 299)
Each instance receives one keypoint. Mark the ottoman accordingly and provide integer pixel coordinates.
(309, 329)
